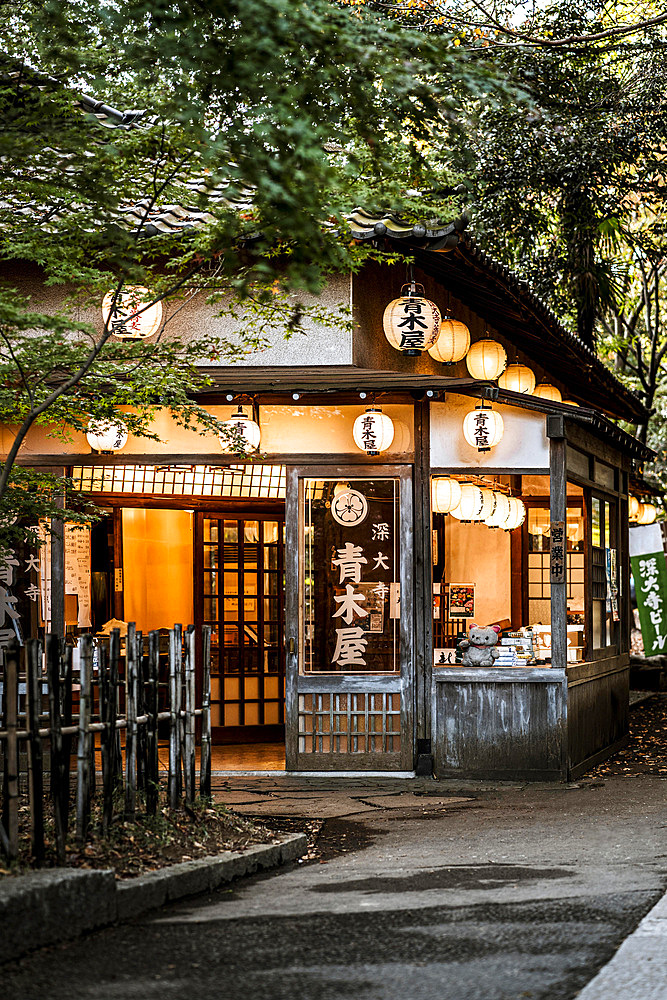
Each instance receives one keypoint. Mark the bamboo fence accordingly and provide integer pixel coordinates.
(116, 694)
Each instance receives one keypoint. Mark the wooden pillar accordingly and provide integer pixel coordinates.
(558, 509)
(423, 665)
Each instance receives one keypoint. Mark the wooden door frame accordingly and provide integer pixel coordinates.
(295, 682)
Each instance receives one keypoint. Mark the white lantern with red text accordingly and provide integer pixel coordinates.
(131, 315)
(483, 428)
(106, 435)
(241, 433)
(373, 431)
(411, 323)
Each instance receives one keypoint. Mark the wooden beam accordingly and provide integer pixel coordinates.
(558, 509)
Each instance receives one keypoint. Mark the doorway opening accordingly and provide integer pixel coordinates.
(239, 594)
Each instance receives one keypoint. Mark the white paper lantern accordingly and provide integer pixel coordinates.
(488, 504)
(106, 435)
(633, 507)
(445, 495)
(500, 513)
(486, 359)
(546, 391)
(470, 505)
(517, 514)
(570, 402)
(647, 513)
(411, 323)
(373, 431)
(483, 428)
(245, 433)
(134, 299)
(452, 343)
(517, 378)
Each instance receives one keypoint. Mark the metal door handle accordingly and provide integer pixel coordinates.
(292, 644)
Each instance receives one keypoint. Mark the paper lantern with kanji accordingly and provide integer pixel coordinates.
(106, 435)
(486, 359)
(373, 431)
(445, 495)
(517, 378)
(633, 507)
(452, 343)
(546, 391)
(500, 513)
(132, 316)
(517, 514)
(470, 505)
(412, 322)
(483, 428)
(243, 433)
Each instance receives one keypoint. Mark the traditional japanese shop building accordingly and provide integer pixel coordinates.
(396, 497)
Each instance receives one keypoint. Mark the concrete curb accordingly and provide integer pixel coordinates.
(58, 904)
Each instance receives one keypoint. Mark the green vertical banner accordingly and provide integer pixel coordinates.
(649, 571)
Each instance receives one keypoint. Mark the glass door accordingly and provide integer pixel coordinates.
(349, 617)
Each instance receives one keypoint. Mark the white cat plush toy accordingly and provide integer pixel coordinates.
(479, 649)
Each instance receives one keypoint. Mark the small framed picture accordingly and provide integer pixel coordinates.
(462, 600)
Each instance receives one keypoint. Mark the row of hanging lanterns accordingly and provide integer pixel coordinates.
(467, 502)
(641, 513)
(412, 324)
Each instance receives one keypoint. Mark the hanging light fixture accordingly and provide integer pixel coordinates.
(517, 514)
(130, 316)
(445, 495)
(647, 513)
(500, 513)
(243, 433)
(470, 505)
(452, 343)
(483, 427)
(106, 436)
(486, 359)
(570, 402)
(373, 431)
(546, 391)
(517, 378)
(633, 507)
(488, 504)
(411, 323)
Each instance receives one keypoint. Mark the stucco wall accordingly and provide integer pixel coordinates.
(524, 444)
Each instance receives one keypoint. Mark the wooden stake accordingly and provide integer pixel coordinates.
(59, 772)
(174, 716)
(83, 755)
(189, 740)
(65, 655)
(33, 663)
(114, 734)
(10, 812)
(131, 731)
(152, 763)
(205, 753)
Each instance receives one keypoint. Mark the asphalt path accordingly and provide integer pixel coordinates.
(425, 890)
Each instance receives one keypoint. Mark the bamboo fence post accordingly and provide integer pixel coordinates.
(65, 655)
(205, 752)
(91, 742)
(174, 716)
(141, 710)
(114, 732)
(10, 811)
(59, 774)
(105, 736)
(83, 755)
(33, 663)
(131, 730)
(152, 772)
(189, 740)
